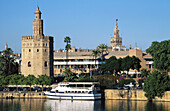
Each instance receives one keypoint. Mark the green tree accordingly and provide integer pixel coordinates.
(30, 80)
(43, 80)
(126, 64)
(160, 52)
(69, 75)
(67, 40)
(95, 54)
(156, 84)
(136, 63)
(3, 81)
(8, 51)
(112, 65)
(15, 79)
(103, 49)
(145, 72)
(7, 65)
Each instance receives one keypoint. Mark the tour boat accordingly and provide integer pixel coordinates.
(75, 91)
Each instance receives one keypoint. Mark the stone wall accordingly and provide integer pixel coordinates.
(10, 95)
(132, 95)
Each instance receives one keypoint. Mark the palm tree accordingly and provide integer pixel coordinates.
(103, 48)
(95, 53)
(7, 65)
(67, 40)
(8, 51)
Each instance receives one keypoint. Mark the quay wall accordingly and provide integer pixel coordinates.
(132, 95)
(22, 95)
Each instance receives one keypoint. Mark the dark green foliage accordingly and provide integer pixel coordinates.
(30, 80)
(70, 76)
(8, 51)
(140, 81)
(3, 80)
(125, 82)
(160, 52)
(102, 48)
(107, 81)
(7, 65)
(156, 84)
(112, 65)
(95, 54)
(115, 65)
(67, 40)
(145, 72)
(43, 80)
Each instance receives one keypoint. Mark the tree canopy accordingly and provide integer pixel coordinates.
(7, 65)
(103, 48)
(156, 84)
(160, 52)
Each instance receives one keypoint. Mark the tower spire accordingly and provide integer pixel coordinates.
(116, 30)
(6, 46)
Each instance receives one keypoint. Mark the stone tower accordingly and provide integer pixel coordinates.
(116, 40)
(37, 50)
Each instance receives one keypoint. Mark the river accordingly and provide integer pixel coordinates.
(68, 105)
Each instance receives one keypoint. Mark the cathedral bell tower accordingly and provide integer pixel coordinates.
(116, 40)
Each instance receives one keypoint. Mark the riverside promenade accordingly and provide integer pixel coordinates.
(22, 95)
(110, 94)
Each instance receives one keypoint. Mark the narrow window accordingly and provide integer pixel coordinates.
(46, 44)
(29, 64)
(29, 50)
(37, 50)
(45, 50)
(45, 64)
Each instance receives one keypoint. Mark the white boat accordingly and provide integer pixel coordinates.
(75, 91)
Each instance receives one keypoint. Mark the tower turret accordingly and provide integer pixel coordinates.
(37, 25)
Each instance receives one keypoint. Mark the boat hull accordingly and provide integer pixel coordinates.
(70, 96)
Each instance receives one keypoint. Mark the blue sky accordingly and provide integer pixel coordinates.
(88, 22)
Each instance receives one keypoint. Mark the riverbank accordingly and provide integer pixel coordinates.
(22, 95)
(111, 94)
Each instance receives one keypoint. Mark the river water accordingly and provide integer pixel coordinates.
(68, 105)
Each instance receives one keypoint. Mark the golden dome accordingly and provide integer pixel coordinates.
(37, 11)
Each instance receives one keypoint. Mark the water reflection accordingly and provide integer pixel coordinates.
(125, 105)
(68, 105)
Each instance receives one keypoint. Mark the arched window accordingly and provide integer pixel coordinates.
(29, 64)
(37, 50)
(45, 64)
(29, 50)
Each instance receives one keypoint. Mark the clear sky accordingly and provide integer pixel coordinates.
(88, 22)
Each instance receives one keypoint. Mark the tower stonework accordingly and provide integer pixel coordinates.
(37, 50)
(116, 40)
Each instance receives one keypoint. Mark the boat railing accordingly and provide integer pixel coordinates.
(80, 87)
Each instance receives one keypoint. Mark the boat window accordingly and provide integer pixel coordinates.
(56, 91)
(79, 85)
(71, 85)
(88, 85)
(79, 91)
(75, 91)
(72, 91)
(82, 91)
